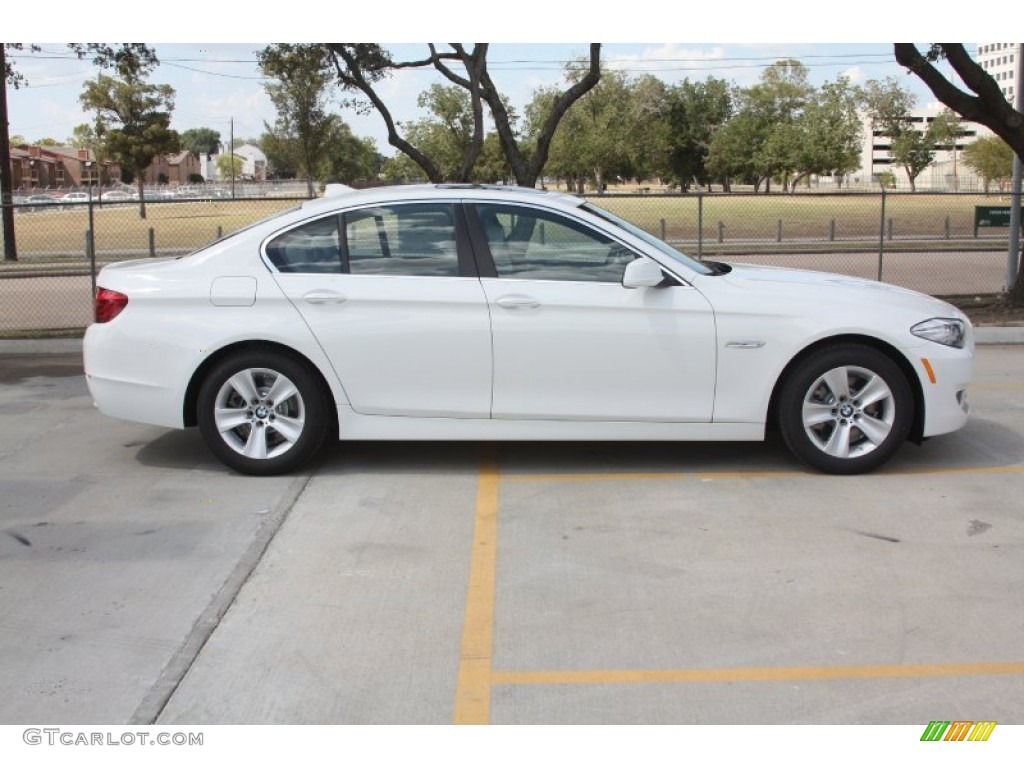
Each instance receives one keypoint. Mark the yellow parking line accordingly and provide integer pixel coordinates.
(595, 476)
(754, 674)
(1014, 470)
(473, 690)
(751, 475)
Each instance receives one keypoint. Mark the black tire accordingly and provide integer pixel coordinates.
(845, 409)
(256, 435)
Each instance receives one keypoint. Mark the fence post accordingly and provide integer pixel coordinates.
(721, 232)
(90, 245)
(220, 231)
(832, 230)
(778, 234)
(700, 225)
(881, 237)
(947, 227)
(663, 229)
(90, 254)
(890, 229)
(152, 243)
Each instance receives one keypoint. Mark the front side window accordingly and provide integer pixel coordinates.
(309, 247)
(530, 244)
(416, 239)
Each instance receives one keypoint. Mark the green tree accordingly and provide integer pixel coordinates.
(103, 55)
(915, 151)
(778, 101)
(765, 142)
(300, 93)
(946, 130)
(360, 67)
(733, 148)
(201, 141)
(889, 106)
(229, 166)
(992, 159)
(47, 141)
(696, 110)
(829, 132)
(349, 158)
(134, 119)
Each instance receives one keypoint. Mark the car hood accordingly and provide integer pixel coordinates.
(824, 288)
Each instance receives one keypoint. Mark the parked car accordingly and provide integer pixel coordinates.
(461, 312)
(117, 196)
(77, 197)
(41, 200)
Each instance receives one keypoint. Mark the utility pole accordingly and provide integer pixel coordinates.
(231, 156)
(6, 177)
(1013, 252)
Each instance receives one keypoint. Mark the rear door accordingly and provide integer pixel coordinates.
(391, 294)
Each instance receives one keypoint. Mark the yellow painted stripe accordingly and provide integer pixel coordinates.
(753, 674)
(595, 476)
(473, 690)
(751, 475)
(1012, 470)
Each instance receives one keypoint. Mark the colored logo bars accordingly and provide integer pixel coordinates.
(959, 730)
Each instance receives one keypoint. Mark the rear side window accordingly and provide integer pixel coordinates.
(310, 247)
(417, 239)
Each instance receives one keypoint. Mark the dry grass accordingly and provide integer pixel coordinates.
(56, 230)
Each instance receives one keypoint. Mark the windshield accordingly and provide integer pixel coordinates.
(650, 239)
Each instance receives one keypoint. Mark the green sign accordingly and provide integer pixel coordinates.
(991, 216)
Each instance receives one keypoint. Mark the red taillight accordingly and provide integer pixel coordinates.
(108, 304)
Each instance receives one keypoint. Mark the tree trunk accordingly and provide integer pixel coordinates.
(142, 196)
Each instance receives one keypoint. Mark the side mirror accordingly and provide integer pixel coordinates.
(642, 273)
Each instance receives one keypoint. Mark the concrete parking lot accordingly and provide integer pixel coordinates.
(698, 583)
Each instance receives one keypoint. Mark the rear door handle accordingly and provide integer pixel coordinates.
(517, 302)
(324, 297)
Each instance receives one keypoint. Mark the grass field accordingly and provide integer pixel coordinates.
(749, 223)
(55, 230)
(805, 216)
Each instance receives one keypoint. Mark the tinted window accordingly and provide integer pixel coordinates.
(413, 240)
(536, 245)
(310, 247)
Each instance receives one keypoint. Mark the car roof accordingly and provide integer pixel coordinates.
(347, 197)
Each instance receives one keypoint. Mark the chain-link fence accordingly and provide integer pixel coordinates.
(942, 244)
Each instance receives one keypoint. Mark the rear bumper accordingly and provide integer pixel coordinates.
(136, 379)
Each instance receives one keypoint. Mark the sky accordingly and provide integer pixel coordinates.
(218, 82)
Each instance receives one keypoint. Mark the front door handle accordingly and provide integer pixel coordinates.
(517, 302)
(323, 297)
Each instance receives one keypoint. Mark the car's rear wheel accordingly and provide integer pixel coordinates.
(846, 409)
(263, 412)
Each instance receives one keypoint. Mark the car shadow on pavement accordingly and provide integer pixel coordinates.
(982, 444)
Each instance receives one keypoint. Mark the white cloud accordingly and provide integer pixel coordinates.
(855, 74)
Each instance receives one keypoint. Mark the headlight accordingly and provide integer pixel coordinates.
(943, 330)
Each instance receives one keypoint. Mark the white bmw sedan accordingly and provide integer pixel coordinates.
(459, 312)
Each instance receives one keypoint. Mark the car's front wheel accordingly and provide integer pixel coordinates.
(262, 412)
(846, 409)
